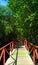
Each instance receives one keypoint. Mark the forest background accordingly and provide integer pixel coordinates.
(19, 19)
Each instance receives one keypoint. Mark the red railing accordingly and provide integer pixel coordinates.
(9, 47)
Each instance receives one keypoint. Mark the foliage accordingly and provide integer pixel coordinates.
(20, 18)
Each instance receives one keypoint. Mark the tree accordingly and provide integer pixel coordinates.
(23, 21)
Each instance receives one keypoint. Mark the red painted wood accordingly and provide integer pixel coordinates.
(27, 45)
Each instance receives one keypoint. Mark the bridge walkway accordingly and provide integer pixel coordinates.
(20, 56)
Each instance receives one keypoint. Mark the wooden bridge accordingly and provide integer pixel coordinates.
(9, 47)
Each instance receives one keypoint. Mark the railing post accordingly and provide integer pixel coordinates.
(12, 45)
(10, 49)
(28, 46)
(4, 57)
(36, 53)
(25, 43)
(33, 57)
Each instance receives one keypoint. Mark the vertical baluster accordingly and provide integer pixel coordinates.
(12, 45)
(4, 57)
(10, 48)
(33, 57)
(25, 43)
(36, 53)
(28, 45)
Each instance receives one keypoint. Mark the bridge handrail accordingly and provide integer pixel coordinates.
(5, 46)
(18, 39)
(11, 44)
